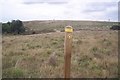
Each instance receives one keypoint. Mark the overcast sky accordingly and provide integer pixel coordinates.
(25, 10)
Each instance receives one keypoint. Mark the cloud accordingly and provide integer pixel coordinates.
(67, 9)
(44, 1)
(28, 3)
(28, 12)
(101, 6)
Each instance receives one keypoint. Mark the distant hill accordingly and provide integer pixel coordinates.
(43, 26)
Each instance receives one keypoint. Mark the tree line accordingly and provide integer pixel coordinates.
(13, 27)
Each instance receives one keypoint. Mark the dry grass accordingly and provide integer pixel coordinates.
(58, 25)
(95, 54)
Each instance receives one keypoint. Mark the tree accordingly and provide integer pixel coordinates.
(16, 26)
(6, 28)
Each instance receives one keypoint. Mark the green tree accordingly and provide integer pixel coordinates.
(6, 28)
(16, 26)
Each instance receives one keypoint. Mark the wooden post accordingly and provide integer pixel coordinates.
(67, 50)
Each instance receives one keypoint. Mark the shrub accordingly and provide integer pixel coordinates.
(115, 27)
(54, 42)
(48, 51)
(16, 27)
(33, 32)
(79, 42)
(38, 46)
(94, 49)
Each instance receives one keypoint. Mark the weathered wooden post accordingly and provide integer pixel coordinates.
(67, 50)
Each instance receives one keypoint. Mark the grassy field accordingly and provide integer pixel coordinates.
(58, 25)
(94, 54)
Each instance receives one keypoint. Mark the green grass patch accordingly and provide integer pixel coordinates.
(13, 73)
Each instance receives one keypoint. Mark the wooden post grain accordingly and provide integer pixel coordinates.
(67, 50)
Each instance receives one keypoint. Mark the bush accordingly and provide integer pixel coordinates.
(115, 27)
(16, 27)
(6, 28)
(94, 49)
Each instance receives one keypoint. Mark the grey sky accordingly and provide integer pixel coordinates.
(59, 10)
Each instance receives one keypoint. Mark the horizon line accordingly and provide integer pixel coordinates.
(60, 20)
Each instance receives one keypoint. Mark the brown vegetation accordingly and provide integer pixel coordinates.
(95, 54)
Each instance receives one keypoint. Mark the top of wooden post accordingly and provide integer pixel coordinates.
(68, 29)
